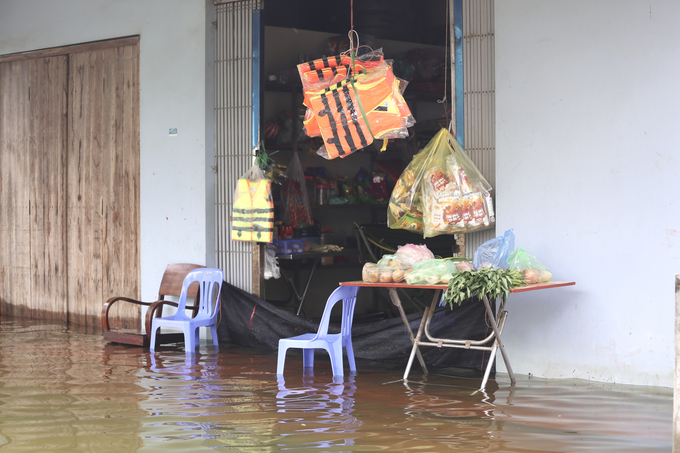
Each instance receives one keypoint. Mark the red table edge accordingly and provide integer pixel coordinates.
(530, 287)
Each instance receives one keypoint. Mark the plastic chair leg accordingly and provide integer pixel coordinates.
(152, 340)
(350, 355)
(308, 358)
(335, 352)
(281, 360)
(213, 333)
(189, 340)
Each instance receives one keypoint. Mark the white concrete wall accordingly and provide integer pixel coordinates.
(588, 153)
(174, 64)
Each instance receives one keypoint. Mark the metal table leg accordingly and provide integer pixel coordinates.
(495, 327)
(494, 348)
(415, 349)
(396, 301)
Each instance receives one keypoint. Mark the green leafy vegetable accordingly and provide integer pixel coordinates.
(488, 281)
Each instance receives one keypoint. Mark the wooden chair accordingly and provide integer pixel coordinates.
(171, 285)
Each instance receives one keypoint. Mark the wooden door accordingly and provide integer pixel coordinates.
(14, 196)
(103, 182)
(32, 208)
(69, 181)
(47, 150)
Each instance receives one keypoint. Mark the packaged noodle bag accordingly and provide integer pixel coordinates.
(441, 192)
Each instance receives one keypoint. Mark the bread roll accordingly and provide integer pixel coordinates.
(398, 275)
(373, 275)
(386, 277)
(366, 270)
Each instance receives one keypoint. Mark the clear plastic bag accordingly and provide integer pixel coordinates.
(494, 252)
(412, 253)
(390, 269)
(533, 271)
(297, 210)
(441, 192)
(431, 272)
(271, 265)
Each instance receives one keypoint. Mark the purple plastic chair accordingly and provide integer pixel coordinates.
(210, 284)
(332, 343)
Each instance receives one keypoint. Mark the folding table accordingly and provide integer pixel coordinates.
(491, 343)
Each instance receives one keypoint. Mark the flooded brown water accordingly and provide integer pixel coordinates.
(63, 390)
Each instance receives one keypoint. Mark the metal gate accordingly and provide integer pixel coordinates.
(479, 94)
(237, 110)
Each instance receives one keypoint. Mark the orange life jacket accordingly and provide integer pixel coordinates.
(352, 113)
(319, 75)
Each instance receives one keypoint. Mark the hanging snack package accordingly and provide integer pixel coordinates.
(532, 269)
(441, 192)
(297, 210)
(405, 207)
(252, 218)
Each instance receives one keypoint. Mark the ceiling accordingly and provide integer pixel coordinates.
(422, 22)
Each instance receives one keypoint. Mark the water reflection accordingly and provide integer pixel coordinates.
(322, 406)
(190, 367)
(58, 394)
(64, 390)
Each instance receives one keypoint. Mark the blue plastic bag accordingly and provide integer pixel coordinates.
(494, 252)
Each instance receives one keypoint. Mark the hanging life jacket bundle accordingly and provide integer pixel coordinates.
(318, 75)
(351, 114)
(252, 218)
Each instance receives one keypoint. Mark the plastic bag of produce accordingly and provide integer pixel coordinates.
(390, 269)
(412, 253)
(441, 192)
(533, 271)
(494, 252)
(297, 210)
(431, 272)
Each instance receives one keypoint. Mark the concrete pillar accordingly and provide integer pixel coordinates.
(676, 391)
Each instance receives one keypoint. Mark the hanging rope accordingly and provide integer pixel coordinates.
(351, 15)
(446, 66)
(351, 74)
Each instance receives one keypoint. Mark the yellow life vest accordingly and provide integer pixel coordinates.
(253, 216)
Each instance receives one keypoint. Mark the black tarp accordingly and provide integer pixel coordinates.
(250, 321)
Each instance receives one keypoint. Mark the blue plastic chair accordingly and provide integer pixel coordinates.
(332, 343)
(208, 304)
